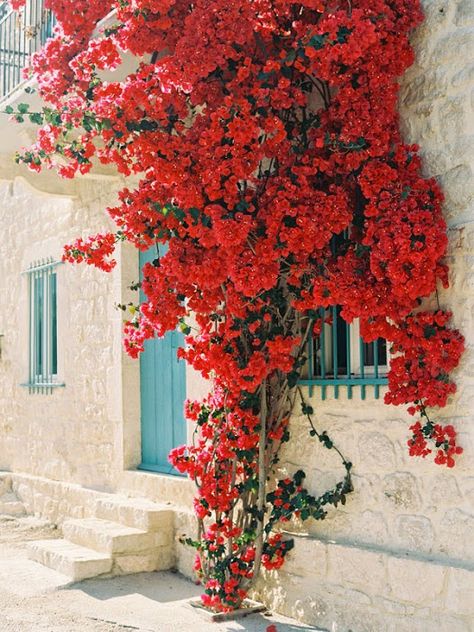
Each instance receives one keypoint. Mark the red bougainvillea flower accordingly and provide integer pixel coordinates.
(264, 141)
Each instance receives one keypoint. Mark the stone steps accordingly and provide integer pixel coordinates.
(128, 535)
(135, 512)
(111, 537)
(72, 560)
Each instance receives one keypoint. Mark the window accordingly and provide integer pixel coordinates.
(43, 328)
(338, 357)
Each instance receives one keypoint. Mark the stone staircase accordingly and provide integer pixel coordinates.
(126, 535)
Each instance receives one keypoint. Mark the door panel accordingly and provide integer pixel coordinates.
(163, 391)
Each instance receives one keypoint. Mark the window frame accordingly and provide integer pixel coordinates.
(352, 373)
(43, 371)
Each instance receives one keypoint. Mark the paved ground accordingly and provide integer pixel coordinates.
(36, 599)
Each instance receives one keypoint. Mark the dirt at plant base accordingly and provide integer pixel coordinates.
(36, 599)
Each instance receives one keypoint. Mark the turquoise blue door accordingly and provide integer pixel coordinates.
(163, 391)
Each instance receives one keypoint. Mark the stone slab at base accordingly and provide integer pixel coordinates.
(248, 607)
(72, 560)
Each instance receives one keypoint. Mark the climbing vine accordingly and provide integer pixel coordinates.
(266, 139)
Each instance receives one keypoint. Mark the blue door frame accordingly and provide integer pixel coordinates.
(162, 392)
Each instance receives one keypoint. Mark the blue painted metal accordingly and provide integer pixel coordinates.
(163, 391)
(348, 359)
(324, 370)
(22, 33)
(362, 366)
(344, 381)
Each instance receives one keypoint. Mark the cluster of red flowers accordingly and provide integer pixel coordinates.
(444, 438)
(427, 350)
(274, 551)
(95, 250)
(266, 140)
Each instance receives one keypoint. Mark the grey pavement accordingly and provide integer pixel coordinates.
(36, 599)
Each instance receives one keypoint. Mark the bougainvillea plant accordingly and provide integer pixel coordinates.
(263, 132)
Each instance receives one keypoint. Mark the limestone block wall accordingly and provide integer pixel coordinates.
(400, 554)
(76, 433)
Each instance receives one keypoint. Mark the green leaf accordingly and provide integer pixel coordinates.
(9, 109)
(318, 41)
(306, 409)
(263, 76)
(184, 328)
(147, 125)
(178, 213)
(429, 332)
(194, 212)
(293, 378)
(323, 437)
(343, 34)
(36, 118)
(298, 477)
(289, 221)
(52, 117)
(23, 108)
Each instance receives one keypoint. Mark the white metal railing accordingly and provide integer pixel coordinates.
(21, 34)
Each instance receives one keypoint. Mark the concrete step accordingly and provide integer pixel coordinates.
(77, 562)
(135, 512)
(114, 538)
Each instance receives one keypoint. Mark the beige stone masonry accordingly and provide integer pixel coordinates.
(10, 504)
(345, 588)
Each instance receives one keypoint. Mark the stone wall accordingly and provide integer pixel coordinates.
(74, 433)
(400, 554)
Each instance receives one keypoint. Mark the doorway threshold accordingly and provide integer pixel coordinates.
(158, 486)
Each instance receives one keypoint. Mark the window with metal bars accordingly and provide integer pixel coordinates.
(339, 358)
(43, 327)
(22, 33)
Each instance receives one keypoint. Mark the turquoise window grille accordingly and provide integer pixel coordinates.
(339, 358)
(43, 327)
